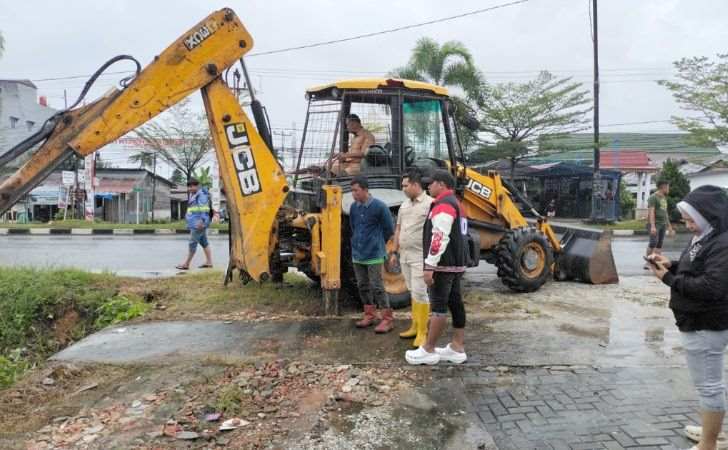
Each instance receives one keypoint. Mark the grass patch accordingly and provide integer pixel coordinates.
(204, 293)
(42, 311)
(63, 224)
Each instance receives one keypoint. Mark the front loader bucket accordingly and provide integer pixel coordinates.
(586, 255)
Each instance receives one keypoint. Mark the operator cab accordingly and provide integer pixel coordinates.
(402, 124)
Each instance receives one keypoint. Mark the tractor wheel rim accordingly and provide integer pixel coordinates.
(533, 260)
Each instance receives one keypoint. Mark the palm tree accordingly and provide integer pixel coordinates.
(449, 64)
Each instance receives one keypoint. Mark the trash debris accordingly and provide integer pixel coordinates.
(87, 388)
(212, 417)
(119, 330)
(232, 424)
(187, 435)
(171, 428)
(48, 381)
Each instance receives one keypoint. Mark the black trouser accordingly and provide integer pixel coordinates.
(445, 293)
(370, 284)
(658, 238)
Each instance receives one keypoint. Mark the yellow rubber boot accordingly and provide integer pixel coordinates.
(423, 317)
(412, 332)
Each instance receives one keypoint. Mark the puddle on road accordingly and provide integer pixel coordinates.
(634, 337)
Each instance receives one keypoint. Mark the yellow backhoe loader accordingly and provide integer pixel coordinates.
(298, 218)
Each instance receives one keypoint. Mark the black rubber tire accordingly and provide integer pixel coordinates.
(348, 278)
(509, 254)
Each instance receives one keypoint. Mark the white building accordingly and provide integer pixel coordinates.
(715, 173)
(22, 112)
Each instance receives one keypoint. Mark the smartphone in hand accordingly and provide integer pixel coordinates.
(650, 261)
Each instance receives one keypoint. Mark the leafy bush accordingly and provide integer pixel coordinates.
(33, 302)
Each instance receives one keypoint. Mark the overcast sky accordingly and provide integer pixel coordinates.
(639, 39)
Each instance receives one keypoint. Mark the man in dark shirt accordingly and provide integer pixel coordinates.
(658, 222)
(444, 244)
(371, 227)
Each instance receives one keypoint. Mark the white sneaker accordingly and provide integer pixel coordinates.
(450, 355)
(421, 356)
(694, 433)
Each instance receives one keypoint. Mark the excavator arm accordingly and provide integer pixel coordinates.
(254, 182)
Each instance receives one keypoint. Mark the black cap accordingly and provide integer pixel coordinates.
(193, 182)
(440, 175)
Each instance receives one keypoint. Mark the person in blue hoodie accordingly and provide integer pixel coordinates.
(198, 220)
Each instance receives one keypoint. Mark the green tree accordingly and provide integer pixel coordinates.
(204, 176)
(702, 88)
(627, 201)
(679, 187)
(516, 115)
(144, 158)
(451, 65)
(180, 138)
(177, 177)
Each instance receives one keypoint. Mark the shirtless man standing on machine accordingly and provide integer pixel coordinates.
(349, 163)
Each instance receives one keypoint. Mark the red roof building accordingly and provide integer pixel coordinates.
(626, 161)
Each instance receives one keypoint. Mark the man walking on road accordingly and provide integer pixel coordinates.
(198, 219)
(408, 242)
(371, 227)
(444, 243)
(658, 221)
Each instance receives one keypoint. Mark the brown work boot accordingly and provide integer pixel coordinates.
(370, 316)
(387, 323)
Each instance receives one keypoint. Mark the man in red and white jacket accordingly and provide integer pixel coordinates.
(444, 244)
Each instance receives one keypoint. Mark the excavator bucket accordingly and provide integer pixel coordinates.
(586, 255)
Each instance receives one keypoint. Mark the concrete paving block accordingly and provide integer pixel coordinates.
(40, 231)
(82, 231)
(164, 231)
(213, 231)
(3, 231)
(623, 232)
(123, 231)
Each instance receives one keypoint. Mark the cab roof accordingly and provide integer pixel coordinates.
(376, 83)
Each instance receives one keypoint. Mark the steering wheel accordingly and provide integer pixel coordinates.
(409, 155)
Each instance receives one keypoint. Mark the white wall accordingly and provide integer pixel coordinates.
(19, 101)
(715, 178)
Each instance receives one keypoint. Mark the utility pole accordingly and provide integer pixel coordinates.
(597, 212)
(595, 40)
(154, 182)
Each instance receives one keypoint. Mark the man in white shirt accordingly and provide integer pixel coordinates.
(408, 242)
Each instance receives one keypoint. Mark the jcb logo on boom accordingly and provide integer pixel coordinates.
(479, 189)
(204, 32)
(237, 138)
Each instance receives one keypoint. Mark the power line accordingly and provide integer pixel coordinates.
(391, 30)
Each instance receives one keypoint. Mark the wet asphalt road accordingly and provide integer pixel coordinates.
(157, 255)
